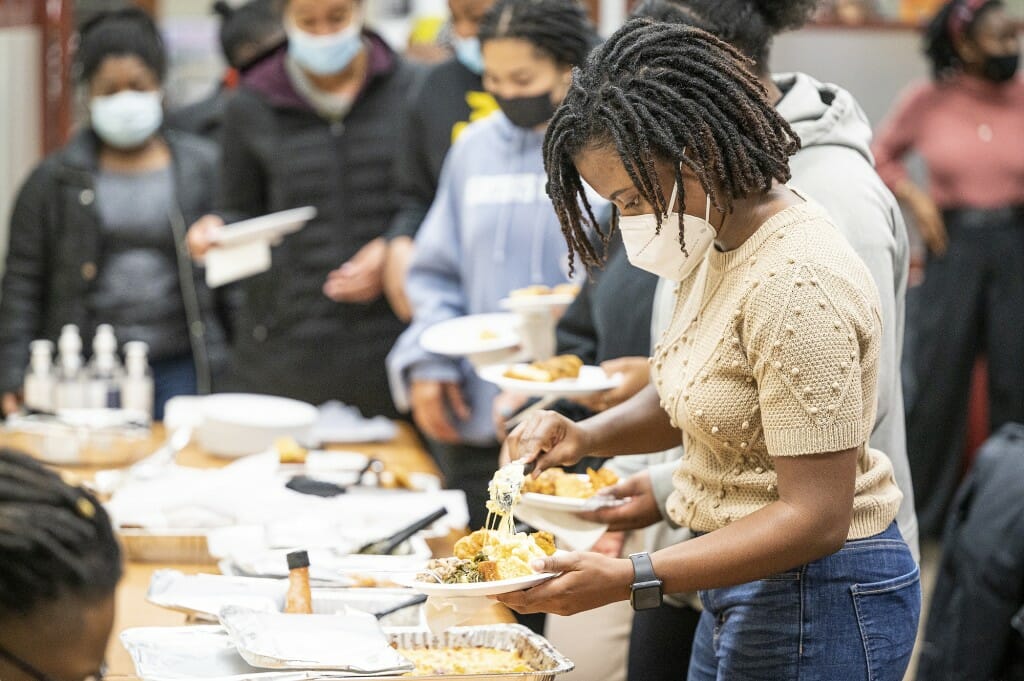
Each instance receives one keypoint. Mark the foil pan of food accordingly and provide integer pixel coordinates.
(483, 653)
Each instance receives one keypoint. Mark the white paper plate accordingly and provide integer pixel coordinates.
(463, 336)
(265, 227)
(352, 642)
(591, 380)
(495, 588)
(536, 303)
(549, 502)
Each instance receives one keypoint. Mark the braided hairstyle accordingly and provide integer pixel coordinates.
(124, 32)
(55, 540)
(939, 43)
(653, 91)
(558, 28)
(747, 25)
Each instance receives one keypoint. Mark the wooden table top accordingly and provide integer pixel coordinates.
(405, 453)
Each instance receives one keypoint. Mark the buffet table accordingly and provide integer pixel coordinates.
(405, 453)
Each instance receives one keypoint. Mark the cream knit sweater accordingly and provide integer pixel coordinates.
(773, 351)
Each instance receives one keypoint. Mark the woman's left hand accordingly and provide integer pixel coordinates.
(588, 581)
(636, 374)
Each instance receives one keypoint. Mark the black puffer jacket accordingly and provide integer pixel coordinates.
(55, 255)
(279, 153)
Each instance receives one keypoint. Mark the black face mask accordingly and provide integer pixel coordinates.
(527, 112)
(1000, 69)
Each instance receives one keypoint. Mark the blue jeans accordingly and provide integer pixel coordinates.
(851, 616)
(172, 377)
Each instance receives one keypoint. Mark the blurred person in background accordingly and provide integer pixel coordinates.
(967, 124)
(59, 566)
(489, 231)
(98, 230)
(314, 124)
(247, 33)
(445, 101)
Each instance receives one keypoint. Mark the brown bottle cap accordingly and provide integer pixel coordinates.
(298, 559)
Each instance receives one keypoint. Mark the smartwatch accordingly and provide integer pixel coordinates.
(646, 592)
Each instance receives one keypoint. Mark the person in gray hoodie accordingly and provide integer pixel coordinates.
(835, 168)
(490, 230)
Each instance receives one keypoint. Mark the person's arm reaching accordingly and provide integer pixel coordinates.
(637, 426)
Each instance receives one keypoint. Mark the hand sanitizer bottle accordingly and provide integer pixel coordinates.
(70, 389)
(137, 384)
(105, 373)
(40, 379)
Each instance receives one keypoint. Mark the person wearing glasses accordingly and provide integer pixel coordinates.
(59, 566)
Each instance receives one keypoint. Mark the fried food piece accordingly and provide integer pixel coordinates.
(601, 478)
(574, 486)
(545, 540)
(543, 483)
(547, 371)
(290, 451)
(509, 568)
(472, 545)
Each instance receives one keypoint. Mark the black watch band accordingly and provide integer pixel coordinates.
(646, 592)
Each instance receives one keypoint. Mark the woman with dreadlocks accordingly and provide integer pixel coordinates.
(968, 126)
(768, 368)
(59, 565)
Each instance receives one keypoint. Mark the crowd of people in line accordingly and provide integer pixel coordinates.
(743, 256)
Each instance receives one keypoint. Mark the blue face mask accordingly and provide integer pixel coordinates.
(325, 55)
(467, 51)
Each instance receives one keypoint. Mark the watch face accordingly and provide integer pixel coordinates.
(646, 597)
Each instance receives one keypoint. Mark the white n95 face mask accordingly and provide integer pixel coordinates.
(127, 119)
(661, 253)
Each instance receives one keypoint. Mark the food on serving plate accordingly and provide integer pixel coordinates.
(556, 482)
(548, 370)
(430, 661)
(290, 451)
(497, 551)
(299, 600)
(530, 291)
(489, 335)
(487, 556)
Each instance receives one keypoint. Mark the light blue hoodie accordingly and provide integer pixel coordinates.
(490, 230)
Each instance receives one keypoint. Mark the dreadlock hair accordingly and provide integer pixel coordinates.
(55, 539)
(124, 32)
(939, 46)
(747, 25)
(254, 24)
(558, 28)
(653, 91)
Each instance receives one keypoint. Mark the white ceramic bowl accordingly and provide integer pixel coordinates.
(235, 424)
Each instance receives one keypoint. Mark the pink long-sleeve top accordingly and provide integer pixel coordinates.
(970, 133)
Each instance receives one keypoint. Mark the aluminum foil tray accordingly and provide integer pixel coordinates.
(205, 653)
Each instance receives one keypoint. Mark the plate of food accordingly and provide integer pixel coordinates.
(540, 297)
(557, 490)
(472, 335)
(563, 375)
(485, 563)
